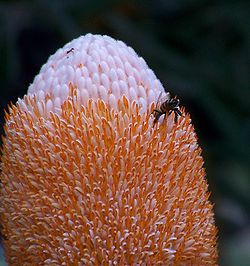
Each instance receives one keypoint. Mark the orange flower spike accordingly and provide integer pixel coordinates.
(87, 179)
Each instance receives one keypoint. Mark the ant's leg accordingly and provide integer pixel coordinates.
(176, 114)
(175, 117)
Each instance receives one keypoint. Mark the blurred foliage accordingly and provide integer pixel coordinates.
(198, 49)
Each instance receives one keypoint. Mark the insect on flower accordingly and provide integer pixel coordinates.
(70, 50)
(164, 105)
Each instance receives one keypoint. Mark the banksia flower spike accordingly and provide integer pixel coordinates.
(86, 177)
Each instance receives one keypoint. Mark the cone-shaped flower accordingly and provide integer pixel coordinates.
(87, 179)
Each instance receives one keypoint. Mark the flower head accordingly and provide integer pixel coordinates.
(86, 179)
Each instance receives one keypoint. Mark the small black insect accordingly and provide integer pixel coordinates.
(70, 50)
(166, 104)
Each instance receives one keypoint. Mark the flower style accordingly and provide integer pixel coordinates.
(86, 178)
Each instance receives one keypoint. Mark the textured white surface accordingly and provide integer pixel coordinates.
(99, 67)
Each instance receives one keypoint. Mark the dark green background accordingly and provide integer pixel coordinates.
(198, 49)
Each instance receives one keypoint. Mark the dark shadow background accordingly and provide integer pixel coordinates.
(198, 49)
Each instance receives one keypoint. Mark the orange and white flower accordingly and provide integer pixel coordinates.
(87, 180)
